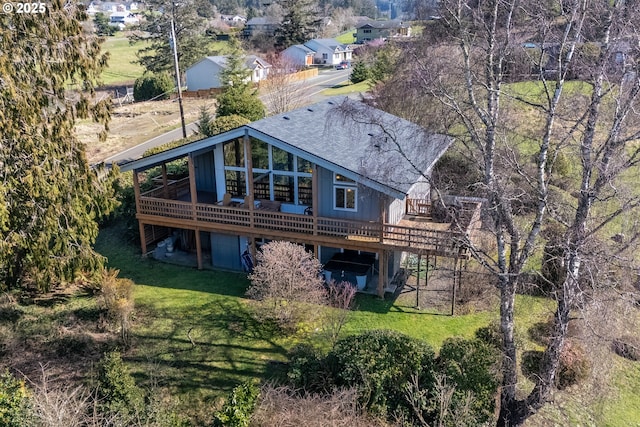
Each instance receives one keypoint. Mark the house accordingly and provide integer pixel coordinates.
(206, 73)
(233, 20)
(122, 19)
(329, 51)
(371, 30)
(260, 25)
(299, 55)
(315, 176)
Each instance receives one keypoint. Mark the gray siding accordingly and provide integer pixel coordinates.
(203, 75)
(368, 200)
(205, 172)
(225, 252)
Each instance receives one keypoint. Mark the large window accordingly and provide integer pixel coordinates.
(235, 183)
(345, 193)
(282, 161)
(234, 153)
(277, 174)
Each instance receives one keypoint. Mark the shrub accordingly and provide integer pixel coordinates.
(287, 283)
(627, 347)
(470, 365)
(573, 368)
(574, 365)
(153, 86)
(117, 390)
(382, 364)
(117, 300)
(14, 401)
(490, 335)
(308, 369)
(238, 409)
(225, 123)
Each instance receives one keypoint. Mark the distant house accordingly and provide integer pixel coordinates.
(233, 20)
(260, 25)
(122, 19)
(206, 74)
(299, 55)
(328, 51)
(371, 30)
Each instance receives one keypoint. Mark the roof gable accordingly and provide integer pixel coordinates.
(368, 145)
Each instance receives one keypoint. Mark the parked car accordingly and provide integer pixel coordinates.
(343, 65)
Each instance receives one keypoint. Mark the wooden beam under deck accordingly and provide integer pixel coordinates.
(369, 245)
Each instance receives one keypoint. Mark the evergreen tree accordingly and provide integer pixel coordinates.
(299, 23)
(101, 22)
(50, 197)
(238, 97)
(360, 72)
(205, 122)
(190, 28)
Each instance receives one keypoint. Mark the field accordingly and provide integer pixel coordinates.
(121, 69)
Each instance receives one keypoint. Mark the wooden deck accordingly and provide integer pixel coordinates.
(412, 233)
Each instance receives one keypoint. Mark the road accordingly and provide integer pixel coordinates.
(325, 79)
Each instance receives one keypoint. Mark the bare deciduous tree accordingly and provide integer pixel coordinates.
(288, 283)
(282, 90)
(518, 136)
(281, 406)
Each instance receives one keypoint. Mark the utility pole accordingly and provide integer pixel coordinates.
(174, 45)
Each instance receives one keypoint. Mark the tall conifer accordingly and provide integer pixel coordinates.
(50, 196)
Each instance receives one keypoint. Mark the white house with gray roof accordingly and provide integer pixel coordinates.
(206, 74)
(344, 179)
(329, 51)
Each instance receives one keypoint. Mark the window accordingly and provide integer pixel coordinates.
(234, 153)
(235, 183)
(305, 193)
(282, 160)
(283, 189)
(345, 193)
(259, 154)
(366, 31)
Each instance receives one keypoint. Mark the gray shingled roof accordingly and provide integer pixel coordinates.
(362, 139)
(378, 149)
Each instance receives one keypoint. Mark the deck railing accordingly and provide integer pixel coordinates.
(174, 190)
(418, 207)
(260, 220)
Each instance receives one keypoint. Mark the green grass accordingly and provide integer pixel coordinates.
(231, 347)
(121, 68)
(175, 305)
(347, 88)
(347, 37)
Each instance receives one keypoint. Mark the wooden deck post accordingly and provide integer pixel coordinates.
(192, 185)
(249, 163)
(382, 274)
(383, 215)
(165, 181)
(418, 281)
(136, 192)
(198, 248)
(314, 198)
(453, 290)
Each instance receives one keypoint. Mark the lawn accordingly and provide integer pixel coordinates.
(176, 306)
(121, 68)
(347, 37)
(347, 88)
(194, 335)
